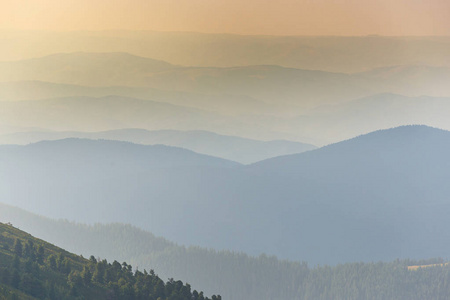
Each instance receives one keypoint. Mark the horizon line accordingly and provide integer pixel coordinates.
(11, 30)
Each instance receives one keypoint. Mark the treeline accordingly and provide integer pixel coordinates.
(268, 278)
(237, 276)
(30, 268)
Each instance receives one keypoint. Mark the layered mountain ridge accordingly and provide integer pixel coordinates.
(333, 201)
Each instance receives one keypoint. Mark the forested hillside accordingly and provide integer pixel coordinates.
(34, 269)
(256, 150)
(237, 276)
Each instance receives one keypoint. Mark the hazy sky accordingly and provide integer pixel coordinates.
(278, 17)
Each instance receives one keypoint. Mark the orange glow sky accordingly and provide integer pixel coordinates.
(274, 17)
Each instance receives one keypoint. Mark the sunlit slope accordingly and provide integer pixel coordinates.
(366, 199)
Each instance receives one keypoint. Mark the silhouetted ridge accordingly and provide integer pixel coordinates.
(233, 148)
(403, 138)
(369, 198)
(118, 152)
(119, 58)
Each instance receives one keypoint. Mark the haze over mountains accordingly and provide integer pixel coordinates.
(224, 271)
(319, 126)
(268, 83)
(210, 141)
(381, 111)
(264, 102)
(336, 203)
(110, 112)
(235, 275)
(335, 54)
(226, 104)
(113, 112)
(229, 147)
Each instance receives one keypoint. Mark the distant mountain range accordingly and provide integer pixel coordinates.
(271, 84)
(228, 147)
(113, 112)
(206, 140)
(84, 68)
(319, 126)
(333, 53)
(107, 91)
(369, 198)
(104, 113)
(381, 111)
(226, 103)
(266, 83)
